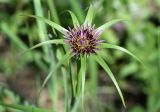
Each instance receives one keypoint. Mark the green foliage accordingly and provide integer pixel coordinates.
(25, 108)
(107, 69)
(74, 19)
(72, 83)
(109, 24)
(55, 41)
(51, 23)
(106, 45)
(89, 17)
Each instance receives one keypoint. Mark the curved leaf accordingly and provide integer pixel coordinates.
(55, 41)
(89, 16)
(108, 24)
(107, 69)
(74, 19)
(49, 22)
(106, 45)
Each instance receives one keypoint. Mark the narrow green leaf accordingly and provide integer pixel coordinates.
(25, 108)
(75, 107)
(65, 79)
(93, 72)
(77, 9)
(73, 85)
(106, 45)
(89, 16)
(49, 22)
(55, 41)
(42, 28)
(65, 84)
(158, 43)
(108, 24)
(12, 35)
(74, 19)
(107, 69)
(52, 7)
(63, 60)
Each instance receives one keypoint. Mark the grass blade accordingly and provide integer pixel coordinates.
(108, 24)
(107, 69)
(64, 59)
(65, 84)
(77, 9)
(74, 19)
(106, 45)
(42, 28)
(53, 10)
(89, 16)
(25, 108)
(55, 41)
(158, 43)
(49, 22)
(73, 85)
(12, 36)
(93, 72)
(75, 108)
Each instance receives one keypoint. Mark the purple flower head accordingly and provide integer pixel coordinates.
(83, 39)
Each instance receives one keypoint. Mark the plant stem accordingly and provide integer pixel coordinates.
(72, 88)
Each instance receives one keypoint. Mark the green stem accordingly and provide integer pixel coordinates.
(73, 98)
(83, 75)
(78, 87)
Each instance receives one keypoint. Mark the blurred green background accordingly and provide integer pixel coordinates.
(21, 76)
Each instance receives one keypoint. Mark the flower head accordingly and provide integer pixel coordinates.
(83, 39)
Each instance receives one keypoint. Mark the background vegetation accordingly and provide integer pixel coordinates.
(22, 76)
